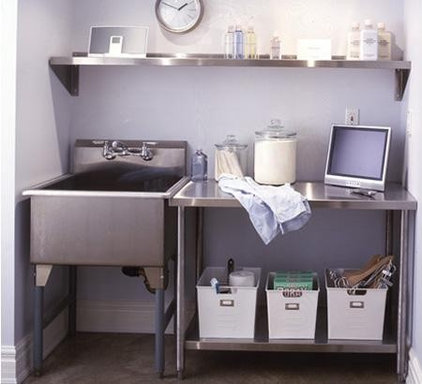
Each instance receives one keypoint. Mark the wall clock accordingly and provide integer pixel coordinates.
(179, 16)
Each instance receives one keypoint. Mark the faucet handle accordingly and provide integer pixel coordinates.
(108, 152)
(146, 152)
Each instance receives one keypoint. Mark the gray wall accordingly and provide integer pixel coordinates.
(413, 29)
(202, 105)
(8, 27)
(42, 133)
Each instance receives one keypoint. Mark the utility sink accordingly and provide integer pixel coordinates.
(113, 208)
(153, 181)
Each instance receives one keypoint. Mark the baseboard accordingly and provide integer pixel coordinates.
(116, 316)
(8, 364)
(16, 362)
(119, 316)
(415, 372)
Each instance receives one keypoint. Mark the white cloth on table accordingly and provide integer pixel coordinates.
(272, 210)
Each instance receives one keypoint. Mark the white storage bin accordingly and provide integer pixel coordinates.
(355, 315)
(226, 315)
(291, 317)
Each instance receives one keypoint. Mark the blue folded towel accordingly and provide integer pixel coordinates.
(272, 210)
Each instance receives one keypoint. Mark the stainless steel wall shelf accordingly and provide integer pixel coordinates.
(67, 68)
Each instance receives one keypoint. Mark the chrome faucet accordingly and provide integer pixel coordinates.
(117, 148)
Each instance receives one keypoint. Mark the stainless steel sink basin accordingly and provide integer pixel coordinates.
(130, 181)
(109, 211)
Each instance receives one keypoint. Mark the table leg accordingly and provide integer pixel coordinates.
(402, 358)
(72, 298)
(180, 294)
(38, 328)
(41, 275)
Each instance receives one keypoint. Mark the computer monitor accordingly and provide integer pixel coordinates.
(357, 156)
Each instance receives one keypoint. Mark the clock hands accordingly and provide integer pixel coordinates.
(171, 6)
(184, 5)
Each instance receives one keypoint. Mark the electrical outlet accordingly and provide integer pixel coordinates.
(352, 116)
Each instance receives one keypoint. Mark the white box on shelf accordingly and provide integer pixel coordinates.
(291, 314)
(226, 315)
(355, 314)
(314, 49)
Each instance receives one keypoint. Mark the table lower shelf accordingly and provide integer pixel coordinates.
(260, 342)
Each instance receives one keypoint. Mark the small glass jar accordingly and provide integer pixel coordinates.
(275, 155)
(230, 157)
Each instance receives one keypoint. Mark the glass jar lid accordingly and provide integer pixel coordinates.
(231, 142)
(275, 131)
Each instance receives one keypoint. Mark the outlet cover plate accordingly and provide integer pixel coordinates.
(352, 116)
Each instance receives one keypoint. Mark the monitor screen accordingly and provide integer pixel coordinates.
(357, 156)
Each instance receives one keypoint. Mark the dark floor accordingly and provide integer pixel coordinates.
(92, 358)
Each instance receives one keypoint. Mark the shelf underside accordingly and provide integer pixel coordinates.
(67, 68)
(319, 344)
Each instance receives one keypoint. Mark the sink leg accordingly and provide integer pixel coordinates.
(72, 296)
(159, 332)
(38, 328)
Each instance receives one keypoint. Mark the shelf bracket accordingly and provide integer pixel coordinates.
(402, 76)
(68, 76)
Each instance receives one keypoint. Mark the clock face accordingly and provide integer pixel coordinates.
(179, 16)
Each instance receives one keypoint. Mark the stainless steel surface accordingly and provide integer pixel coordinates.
(57, 187)
(109, 212)
(402, 76)
(168, 157)
(180, 293)
(395, 197)
(261, 342)
(68, 75)
(67, 68)
(42, 273)
(199, 241)
(208, 194)
(101, 231)
(182, 59)
(38, 345)
(72, 297)
(389, 232)
(402, 353)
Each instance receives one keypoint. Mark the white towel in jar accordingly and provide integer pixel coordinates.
(272, 210)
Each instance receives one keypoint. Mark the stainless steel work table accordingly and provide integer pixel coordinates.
(206, 194)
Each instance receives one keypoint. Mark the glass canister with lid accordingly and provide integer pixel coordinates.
(230, 157)
(275, 155)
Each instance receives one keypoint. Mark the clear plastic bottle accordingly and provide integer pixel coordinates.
(229, 43)
(199, 166)
(238, 43)
(384, 43)
(368, 42)
(250, 43)
(353, 42)
(275, 52)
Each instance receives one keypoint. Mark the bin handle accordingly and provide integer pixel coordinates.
(226, 303)
(291, 306)
(357, 304)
